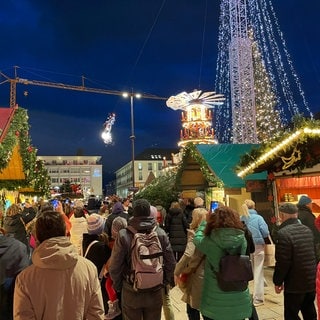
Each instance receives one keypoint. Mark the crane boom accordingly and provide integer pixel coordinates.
(17, 80)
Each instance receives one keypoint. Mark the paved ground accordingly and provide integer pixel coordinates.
(271, 310)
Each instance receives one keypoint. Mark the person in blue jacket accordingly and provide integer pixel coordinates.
(259, 230)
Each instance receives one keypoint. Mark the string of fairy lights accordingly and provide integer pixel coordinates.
(285, 95)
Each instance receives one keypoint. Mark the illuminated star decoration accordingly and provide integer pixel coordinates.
(184, 100)
(106, 133)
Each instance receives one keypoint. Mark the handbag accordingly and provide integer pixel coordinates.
(269, 254)
(234, 272)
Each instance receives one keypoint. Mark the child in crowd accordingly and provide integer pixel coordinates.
(114, 309)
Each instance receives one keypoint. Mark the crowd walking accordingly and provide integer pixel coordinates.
(123, 261)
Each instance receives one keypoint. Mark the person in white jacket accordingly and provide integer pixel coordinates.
(60, 284)
(79, 226)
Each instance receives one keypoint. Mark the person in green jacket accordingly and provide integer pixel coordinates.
(222, 232)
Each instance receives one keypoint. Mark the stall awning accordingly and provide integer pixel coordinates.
(223, 159)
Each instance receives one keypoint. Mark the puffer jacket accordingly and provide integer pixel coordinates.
(295, 258)
(176, 226)
(59, 285)
(215, 303)
(120, 261)
(257, 226)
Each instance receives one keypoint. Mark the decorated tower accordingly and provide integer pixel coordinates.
(196, 115)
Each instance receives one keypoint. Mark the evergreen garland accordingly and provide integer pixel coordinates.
(36, 176)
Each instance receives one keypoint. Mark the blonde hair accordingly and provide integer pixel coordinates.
(175, 204)
(244, 211)
(250, 204)
(198, 202)
(198, 215)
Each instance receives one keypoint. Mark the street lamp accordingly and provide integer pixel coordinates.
(132, 137)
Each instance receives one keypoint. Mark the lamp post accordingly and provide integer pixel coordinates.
(132, 136)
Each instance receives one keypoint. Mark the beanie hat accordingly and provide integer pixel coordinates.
(117, 207)
(95, 224)
(118, 223)
(141, 208)
(288, 208)
(304, 200)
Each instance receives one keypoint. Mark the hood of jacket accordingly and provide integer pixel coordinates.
(175, 211)
(5, 243)
(142, 223)
(229, 239)
(12, 220)
(55, 253)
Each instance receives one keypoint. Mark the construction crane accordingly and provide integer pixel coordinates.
(17, 80)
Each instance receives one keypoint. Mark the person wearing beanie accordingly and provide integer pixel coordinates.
(117, 211)
(307, 218)
(295, 269)
(139, 304)
(95, 223)
(166, 301)
(95, 247)
(114, 310)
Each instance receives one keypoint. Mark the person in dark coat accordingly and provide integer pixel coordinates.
(13, 259)
(176, 226)
(96, 249)
(117, 211)
(14, 225)
(295, 269)
(142, 304)
(307, 218)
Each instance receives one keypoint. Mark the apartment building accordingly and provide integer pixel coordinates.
(83, 170)
(148, 164)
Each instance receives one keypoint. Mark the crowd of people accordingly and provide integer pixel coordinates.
(75, 260)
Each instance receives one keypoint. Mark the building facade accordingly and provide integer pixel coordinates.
(85, 171)
(147, 165)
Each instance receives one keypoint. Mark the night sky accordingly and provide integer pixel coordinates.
(152, 47)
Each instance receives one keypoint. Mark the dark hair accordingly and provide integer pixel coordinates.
(49, 224)
(223, 217)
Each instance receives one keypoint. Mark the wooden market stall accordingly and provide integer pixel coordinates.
(292, 163)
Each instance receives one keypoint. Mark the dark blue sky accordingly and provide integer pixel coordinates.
(153, 47)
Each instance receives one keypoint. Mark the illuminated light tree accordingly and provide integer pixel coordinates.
(268, 120)
(196, 116)
(237, 80)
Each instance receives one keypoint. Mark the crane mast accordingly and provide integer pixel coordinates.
(241, 75)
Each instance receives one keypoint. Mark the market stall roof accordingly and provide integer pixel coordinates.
(300, 149)
(6, 115)
(223, 159)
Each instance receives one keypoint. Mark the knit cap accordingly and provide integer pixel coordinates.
(95, 223)
(141, 208)
(304, 200)
(118, 223)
